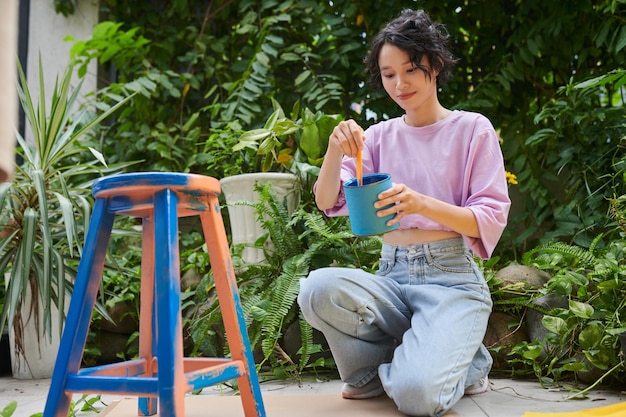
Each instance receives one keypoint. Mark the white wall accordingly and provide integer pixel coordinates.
(8, 97)
(47, 29)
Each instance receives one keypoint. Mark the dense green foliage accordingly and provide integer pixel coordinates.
(583, 337)
(550, 76)
(218, 65)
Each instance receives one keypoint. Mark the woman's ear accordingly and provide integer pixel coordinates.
(442, 64)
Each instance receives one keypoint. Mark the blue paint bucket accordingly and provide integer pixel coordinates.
(361, 198)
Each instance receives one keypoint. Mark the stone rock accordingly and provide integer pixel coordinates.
(500, 335)
(513, 274)
(190, 279)
(536, 330)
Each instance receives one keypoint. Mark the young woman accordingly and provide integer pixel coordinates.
(414, 330)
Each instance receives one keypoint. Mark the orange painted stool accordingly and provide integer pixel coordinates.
(161, 372)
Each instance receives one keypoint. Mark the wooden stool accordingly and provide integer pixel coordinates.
(161, 371)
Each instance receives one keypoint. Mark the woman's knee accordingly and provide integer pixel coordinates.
(417, 395)
(314, 280)
(316, 288)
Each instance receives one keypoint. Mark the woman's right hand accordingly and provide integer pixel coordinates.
(347, 138)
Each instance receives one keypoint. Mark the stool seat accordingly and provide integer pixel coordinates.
(161, 375)
(133, 194)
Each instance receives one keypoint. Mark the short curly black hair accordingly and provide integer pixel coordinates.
(414, 32)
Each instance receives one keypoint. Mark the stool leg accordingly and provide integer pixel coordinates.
(147, 405)
(230, 305)
(83, 299)
(169, 337)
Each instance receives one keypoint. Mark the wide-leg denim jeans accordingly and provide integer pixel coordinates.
(418, 323)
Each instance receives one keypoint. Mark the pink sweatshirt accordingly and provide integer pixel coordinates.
(457, 160)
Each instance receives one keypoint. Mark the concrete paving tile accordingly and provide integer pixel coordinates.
(506, 398)
(511, 398)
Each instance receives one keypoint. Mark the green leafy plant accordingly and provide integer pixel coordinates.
(584, 337)
(84, 403)
(46, 208)
(295, 144)
(581, 165)
(108, 43)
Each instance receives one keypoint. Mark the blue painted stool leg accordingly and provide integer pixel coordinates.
(81, 307)
(172, 381)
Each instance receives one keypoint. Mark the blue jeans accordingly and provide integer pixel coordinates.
(418, 323)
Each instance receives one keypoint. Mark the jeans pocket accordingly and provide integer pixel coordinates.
(452, 262)
(385, 266)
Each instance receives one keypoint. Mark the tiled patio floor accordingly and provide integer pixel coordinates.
(506, 398)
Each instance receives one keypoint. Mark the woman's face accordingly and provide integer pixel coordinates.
(406, 84)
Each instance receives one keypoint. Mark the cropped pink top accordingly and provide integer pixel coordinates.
(457, 160)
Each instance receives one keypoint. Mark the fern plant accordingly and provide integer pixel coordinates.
(274, 49)
(302, 241)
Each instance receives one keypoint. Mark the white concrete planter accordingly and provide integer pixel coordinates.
(244, 227)
(40, 351)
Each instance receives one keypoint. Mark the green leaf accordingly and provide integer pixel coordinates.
(600, 358)
(574, 367)
(27, 249)
(580, 309)
(97, 155)
(302, 77)
(532, 46)
(532, 352)
(554, 324)
(285, 127)
(275, 116)
(9, 409)
(67, 210)
(309, 141)
(542, 135)
(268, 145)
(590, 337)
(250, 138)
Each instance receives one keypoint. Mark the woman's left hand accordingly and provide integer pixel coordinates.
(402, 199)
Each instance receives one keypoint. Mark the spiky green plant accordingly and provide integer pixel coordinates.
(45, 210)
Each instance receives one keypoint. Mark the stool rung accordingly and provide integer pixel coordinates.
(198, 363)
(127, 368)
(215, 374)
(112, 379)
(132, 385)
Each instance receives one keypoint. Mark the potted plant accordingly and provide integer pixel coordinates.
(288, 152)
(44, 213)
